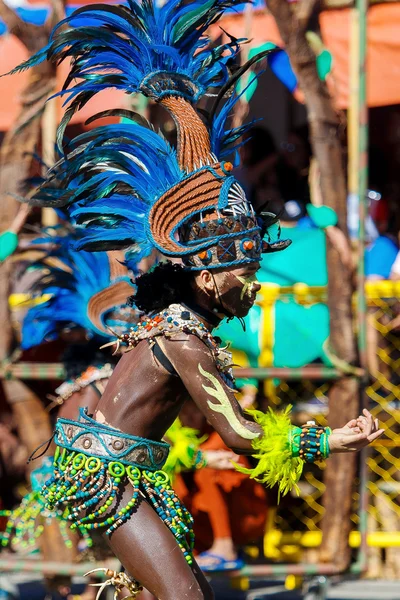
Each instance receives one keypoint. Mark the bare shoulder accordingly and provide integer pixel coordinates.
(186, 346)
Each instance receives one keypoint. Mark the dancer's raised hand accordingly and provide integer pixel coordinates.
(356, 434)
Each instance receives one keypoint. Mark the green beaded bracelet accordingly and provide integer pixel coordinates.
(310, 442)
(200, 460)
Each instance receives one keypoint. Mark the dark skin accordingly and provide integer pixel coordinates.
(88, 398)
(143, 399)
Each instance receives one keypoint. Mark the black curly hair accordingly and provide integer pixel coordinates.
(165, 284)
(78, 357)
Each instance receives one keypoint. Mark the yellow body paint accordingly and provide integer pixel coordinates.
(248, 283)
(224, 407)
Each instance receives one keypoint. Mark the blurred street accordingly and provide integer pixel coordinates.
(24, 588)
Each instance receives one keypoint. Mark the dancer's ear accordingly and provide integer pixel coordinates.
(205, 281)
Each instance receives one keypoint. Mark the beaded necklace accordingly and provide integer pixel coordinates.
(90, 375)
(175, 319)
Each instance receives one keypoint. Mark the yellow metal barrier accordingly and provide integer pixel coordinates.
(293, 530)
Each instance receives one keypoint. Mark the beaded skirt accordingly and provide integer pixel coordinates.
(94, 463)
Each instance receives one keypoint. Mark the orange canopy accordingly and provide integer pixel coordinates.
(12, 53)
(383, 61)
(383, 56)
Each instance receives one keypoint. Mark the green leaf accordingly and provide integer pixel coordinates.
(323, 216)
(8, 244)
(324, 64)
(262, 48)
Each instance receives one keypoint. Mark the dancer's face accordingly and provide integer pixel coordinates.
(233, 291)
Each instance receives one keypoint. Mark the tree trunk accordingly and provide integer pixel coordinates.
(15, 163)
(293, 21)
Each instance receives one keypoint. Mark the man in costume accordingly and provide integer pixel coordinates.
(127, 187)
(81, 297)
(77, 296)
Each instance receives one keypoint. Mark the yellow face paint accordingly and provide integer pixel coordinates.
(248, 283)
(224, 407)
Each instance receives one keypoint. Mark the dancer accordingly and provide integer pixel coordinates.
(78, 295)
(127, 186)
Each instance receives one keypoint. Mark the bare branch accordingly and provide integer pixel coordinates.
(25, 32)
(305, 9)
(283, 16)
(56, 15)
(295, 19)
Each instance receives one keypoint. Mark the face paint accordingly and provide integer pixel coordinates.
(248, 283)
(224, 407)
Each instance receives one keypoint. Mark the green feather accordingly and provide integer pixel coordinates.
(190, 19)
(273, 450)
(185, 445)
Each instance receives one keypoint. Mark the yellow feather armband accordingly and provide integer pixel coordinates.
(278, 451)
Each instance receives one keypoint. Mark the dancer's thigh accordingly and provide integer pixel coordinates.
(151, 555)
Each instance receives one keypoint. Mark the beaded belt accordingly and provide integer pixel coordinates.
(94, 462)
(94, 439)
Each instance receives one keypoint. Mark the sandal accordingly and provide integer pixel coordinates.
(219, 563)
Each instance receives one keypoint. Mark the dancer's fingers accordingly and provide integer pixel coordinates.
(376, 435)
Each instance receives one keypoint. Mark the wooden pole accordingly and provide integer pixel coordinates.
(293, 21)
(49, 132)
(360, 162)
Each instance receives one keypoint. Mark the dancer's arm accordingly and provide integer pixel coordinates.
(196, 367)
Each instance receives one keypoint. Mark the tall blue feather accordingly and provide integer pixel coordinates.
(85, 274)
(119, 46)
(108, 184)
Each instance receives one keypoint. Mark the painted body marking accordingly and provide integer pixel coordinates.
(224, 407)
(248, 283)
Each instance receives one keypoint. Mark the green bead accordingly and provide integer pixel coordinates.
(8, 244)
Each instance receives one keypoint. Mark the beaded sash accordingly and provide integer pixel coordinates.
(88, 480)
(94, 439)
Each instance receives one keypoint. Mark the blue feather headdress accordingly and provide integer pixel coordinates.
(124, 184)
(82, 289)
